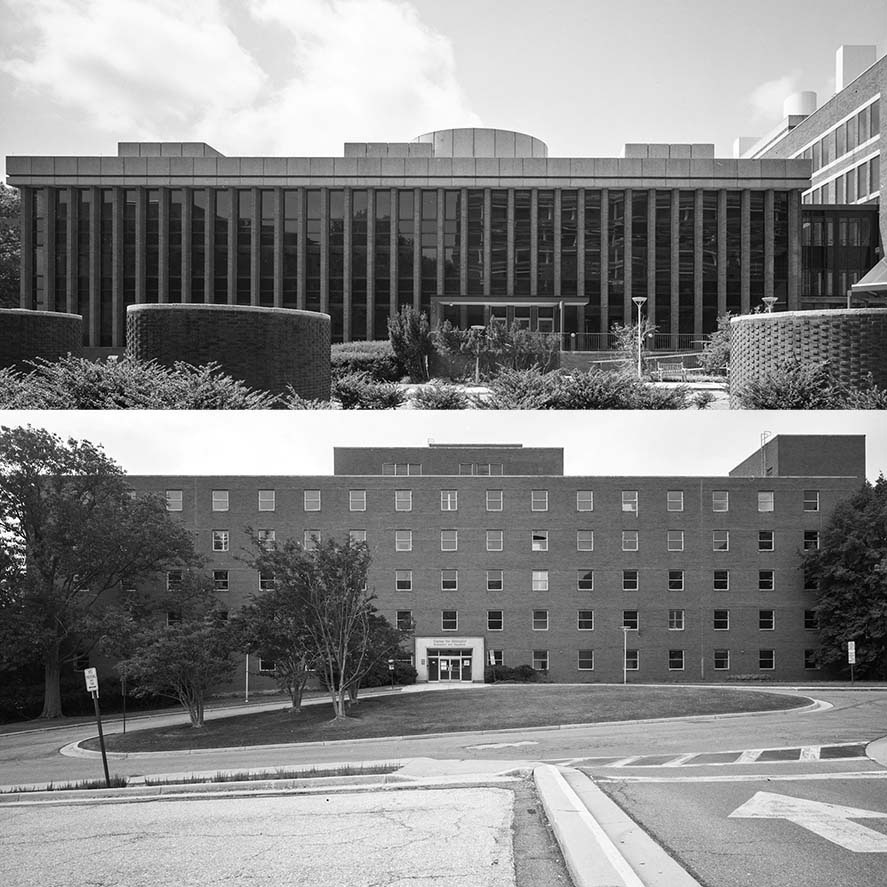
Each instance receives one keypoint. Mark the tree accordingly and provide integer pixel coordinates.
(626, 336)
(715, 356)
(186, 655)
(411, 341)
(850, 570)
(73, 537)
(10, 246)
(329, 583)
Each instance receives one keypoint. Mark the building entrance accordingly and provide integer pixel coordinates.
(449, 665)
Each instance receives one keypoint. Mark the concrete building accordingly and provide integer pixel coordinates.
(492, 552)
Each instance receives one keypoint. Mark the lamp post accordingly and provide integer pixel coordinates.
(639, 301)
(769, 302)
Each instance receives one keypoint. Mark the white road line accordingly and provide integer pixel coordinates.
(750, 755)
(680, 759)
(749, 777)
(810, 753)
(624, 762)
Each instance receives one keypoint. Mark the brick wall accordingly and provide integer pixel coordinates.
(267, 348)
(26, 335)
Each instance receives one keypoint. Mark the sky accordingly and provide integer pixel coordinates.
(287, 443)
(301, 77)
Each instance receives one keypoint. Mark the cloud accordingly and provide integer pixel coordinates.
(271, 77)
(767, 98)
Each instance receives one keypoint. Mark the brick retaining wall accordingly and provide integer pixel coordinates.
(26, 335)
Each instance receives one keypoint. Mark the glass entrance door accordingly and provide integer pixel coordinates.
(450, 668)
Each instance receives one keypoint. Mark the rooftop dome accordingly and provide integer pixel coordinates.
(468, 142)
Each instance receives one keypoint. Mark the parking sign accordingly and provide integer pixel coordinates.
(92, 680)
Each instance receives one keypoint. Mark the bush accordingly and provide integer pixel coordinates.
(702, 399)
(292, 400)
(412, 341)
(377, 359)
(808, 386)
(524, 674)
(715, 355)
(379, 676)
(75, 383)
(358, 391)
(440, 396)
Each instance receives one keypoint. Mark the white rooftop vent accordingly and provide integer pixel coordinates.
(799, 104)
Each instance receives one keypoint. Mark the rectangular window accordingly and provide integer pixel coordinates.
(675, 660)
(495, 620)
(449, 500)
(498, 657)
(403, 500)
(584, 540)
(540, 660)
(585, 500)
(721, 659)
(585, 580)
(630, 501)
(540, 620)
(266, 539)
(720, 540)
(449, 580)
(674, 500)
(266, 665)
(540, 580)
(220, 580)
(266, 581)
(811, 659)
(449, 620)
(404, 620)
(539, 540)
(811, 620)
(720, 580)
(449, 540)
(720, 500)
(310, 540)
(721, 620)
(311, 500)
(495, 580)
(766, 540)
(630, 619)
(675, 580)
(403, 580)
(494, 500)
(174, 580)
(495, 540)
(632, 660)
(765, 500)
(629, 580)
(586, 660)
(766, 580)
(357, 500)
(811, 540)
(403, 540)
(675, 620)
(675, 540)
(173, 500)
(629, 540)
(811, 500)
(357, 536)
(220, 540)
(539, 500)
(766, 620)
(585, 620)
(267, 500)
(220, 500)
(767, 659)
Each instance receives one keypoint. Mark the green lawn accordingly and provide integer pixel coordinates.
(493, 708)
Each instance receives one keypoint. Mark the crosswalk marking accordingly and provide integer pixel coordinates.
(750, 755)
(810, 753)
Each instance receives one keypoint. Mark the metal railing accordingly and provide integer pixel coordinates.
(609, 342)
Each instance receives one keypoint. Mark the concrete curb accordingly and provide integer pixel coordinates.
(73, 750)
(602, 846)
(877, 751)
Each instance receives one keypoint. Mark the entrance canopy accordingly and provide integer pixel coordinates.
(873, 282)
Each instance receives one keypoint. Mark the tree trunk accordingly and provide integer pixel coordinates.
(52, 694)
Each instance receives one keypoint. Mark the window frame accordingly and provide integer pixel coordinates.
(491, 579)
(767, 580)
(766, 622)
(539, 500)
(630, 502)
(403, 580)
(811, 496)
(676, 582)
(308, 500)
(449, 615)
(540, 622)
(766, 501)
(676, 619)
(262, 504)
(722, 617)
(720, 545)
(588, 657)
(715, 579)
(401, 498)
(449, 540)
(538, 578)
(584, 500)
(723, 498)
(673, 658)
(223, 537)
(490, 538)
(676, 544)
(766, 540)
(361, 499)
(449, 582)
(171, 500)
(402, 543)
(221, 500)
(627, 579)
(538, 540)
(491, 619)
(491, 497)
(449, 500)
(629, 537)
(589, 538)
(674, 498)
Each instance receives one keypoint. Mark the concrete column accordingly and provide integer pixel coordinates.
(95, 267)
(580, 259)
(141, 245)
(745, 257)
(301, 250)
(392, 241)
(675, 265)
(509, 245)
(441, 207)
(722, 253)
(325, 250)
(534, 242)
(794, 249)
(628, 272)
(118, 306)
(417, 248)
(651, 306)
(48, 263)
(769, 231)
(71, 250)
(697, 264)
(163, 250)
(27, 247)
(488, 246)
(605, 261)
(371, 262)
(278, 247)
(209, 242)
(255, 230)
(558, 231)
(187, 254)
(232, 247)
(346, 266)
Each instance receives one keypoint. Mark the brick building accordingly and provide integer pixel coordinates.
(493, 551)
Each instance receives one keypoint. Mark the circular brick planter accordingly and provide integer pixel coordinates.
(27, 335)
(266, 348)
(852, 340)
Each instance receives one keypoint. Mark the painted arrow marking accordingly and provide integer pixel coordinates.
(829, 821)
(503, 744)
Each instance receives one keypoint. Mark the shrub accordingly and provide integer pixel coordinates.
(374, 358)
(440, 396)
(702, 399)
(525, 674)
(808, 386)
(716, 351)
(412, 341)
(358, 391)
(379, 676)
(292, 400)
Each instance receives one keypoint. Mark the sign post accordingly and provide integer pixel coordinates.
(92, 686)
(851, 657)
(391, 671)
